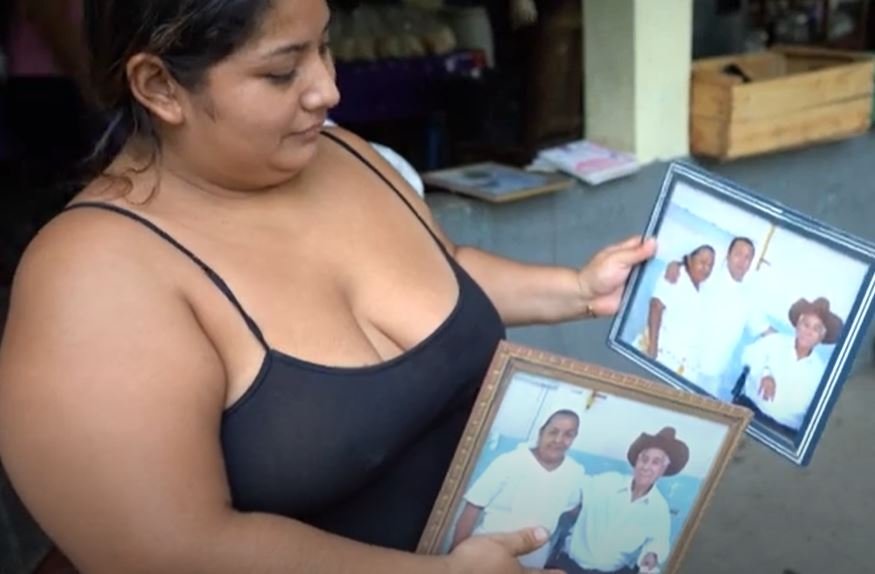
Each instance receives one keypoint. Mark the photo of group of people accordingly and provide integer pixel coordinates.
(746, 307)
(614, 480)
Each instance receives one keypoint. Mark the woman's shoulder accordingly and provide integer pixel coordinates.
(356, 163)
(342, 146)
(82, 238)
(370, 155)
(87, 256)
(94, 297)
(573, 466)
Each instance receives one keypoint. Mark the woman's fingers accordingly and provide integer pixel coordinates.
(632, 253)
(628, 243)
(522, 541)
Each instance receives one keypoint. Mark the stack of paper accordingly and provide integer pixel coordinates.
(589, 162)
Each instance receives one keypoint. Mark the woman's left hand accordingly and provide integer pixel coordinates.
(602, 279)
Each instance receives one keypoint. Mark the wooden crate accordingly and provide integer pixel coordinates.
(791, 97)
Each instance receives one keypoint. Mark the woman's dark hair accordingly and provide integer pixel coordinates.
(688, 258)
(560, 413)
(188, 35)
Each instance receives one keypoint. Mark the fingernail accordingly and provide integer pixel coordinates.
(541, 534)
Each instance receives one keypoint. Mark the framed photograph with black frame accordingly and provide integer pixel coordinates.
(749, 302)
(618, 469)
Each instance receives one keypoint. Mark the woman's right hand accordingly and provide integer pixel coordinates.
(497, 553)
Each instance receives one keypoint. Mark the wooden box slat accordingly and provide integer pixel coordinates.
(796, 96)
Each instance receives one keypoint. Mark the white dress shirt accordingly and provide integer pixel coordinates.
(612, 531)
(516, 491)
(729, 308)
(678, 338)
(796, 380)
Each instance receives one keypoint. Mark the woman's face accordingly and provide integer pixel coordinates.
(810, 330)
(700, 265)
(255, 122)
(556, 437)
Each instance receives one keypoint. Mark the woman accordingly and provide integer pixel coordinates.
(785, 372)
(674, 310)
(530, 486)
(247, 347)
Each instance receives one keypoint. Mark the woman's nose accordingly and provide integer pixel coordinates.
(322, 92)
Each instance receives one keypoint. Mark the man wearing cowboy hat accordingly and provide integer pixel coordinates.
(624, 524)
(785, 372)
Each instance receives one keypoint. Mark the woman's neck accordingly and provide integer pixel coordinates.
(548, 465)
(149, 170)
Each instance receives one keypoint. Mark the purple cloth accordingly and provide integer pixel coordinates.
(394, 89)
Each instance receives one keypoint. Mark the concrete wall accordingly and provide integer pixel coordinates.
(637, 59)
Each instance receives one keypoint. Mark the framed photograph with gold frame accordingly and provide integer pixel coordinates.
(618, 469)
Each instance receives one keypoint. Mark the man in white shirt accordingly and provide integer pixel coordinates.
(527, 487)
(785, 373)
(625, 523)
(728, 309)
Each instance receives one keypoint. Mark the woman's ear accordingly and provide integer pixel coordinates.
(156, 90)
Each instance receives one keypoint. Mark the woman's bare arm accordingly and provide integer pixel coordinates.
(654, 322)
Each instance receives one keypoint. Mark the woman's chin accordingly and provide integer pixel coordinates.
(289, 166)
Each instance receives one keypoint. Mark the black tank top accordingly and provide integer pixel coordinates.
(360, 452)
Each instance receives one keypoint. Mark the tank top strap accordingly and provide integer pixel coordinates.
(210, 273)
(380, 174)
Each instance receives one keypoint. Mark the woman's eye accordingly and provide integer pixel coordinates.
(281, 78)
(325, 47)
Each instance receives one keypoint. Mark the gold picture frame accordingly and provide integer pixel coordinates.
(525, 385)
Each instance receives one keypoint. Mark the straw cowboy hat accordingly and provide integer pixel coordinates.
(819, 307)
(677, 451)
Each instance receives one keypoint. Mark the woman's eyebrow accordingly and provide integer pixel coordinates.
(287, 49)
(293, 47)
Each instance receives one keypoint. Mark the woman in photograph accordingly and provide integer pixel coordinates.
(247, 346)
(532, 485)
(676, 312)
(785, 370)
